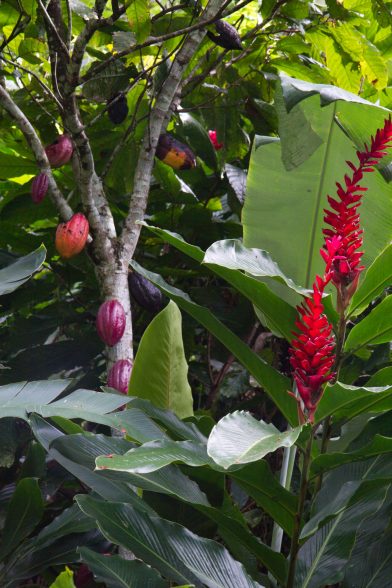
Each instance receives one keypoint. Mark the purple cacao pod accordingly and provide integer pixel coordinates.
(39, 187)
(227, 36)
(119, 375)
(60, 151)
(111, 322)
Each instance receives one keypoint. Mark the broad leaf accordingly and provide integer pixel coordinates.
(197, 137)
(24, 512)
(161, 356)
(18, 272)
(177, 553)
(377, 278)
(374, 329)
(139, 19)
(156, 455)
(117, 572)
(345, 401)
(274, 383)
(239, 438)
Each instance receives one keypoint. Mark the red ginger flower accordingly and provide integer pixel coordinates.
(343, 241)
(214, 140)
(311, 354)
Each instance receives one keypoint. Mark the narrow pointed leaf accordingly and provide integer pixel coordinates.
(177, 553)
(345, 401)
(376, 279)
(375, 328)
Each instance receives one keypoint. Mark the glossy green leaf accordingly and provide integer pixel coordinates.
(18, 272)
(173, 550)
(22, 398)
(376, 279)
(377, 446)
(321, 559)
(258, 481)
(117, 572)
(345, 401)
(197, 137)
(239, 438)
(23, 514)
(274, 383)
(161, 355)
(374, 329)
(278, 315)
(156, 455)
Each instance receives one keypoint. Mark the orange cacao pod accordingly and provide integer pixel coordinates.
(174, 153)
(60, 151)
(71, 237)
(39, 187)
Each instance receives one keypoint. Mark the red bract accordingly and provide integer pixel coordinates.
(312, 352)
(343, 240)
(214, 140)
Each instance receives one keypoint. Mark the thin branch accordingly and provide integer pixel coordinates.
(37, 148)
(31, 73)
(69, 24)
(158, 118)
(53, 28)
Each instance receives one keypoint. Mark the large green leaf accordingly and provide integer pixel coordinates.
(18, 272)
(177, 553)
(139, 18)
(377, 446)
(322, 558)
(274, 383)
(377, 278)
(278, 314)
(24, 512)
(22, 398)
(374, 329)
(283, 211)
(161, 356)
(156, 455)
(117, 572)
(239, 438)
(82, 451)
(345, 401)
(195, 134)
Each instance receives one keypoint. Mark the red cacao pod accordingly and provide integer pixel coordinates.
(59, 152)
(39, 187)
(71, 237)
(119, 375)
(174, 153)
(111, 322)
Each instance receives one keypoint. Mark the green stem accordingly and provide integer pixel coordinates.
(301, 505)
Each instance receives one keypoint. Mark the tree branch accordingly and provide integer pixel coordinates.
(158, 117)
(37, 148)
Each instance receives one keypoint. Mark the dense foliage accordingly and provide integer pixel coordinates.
(236, 460)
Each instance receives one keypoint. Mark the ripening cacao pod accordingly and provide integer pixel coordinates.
(59, 152)
(111, 322)
(39, 187)
(146, 294)
(71, 237)
(118, 109)
(119, 375)
(227, 36)
(174, 153)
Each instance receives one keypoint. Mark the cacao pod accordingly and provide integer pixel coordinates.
(118, 109)
(174, 153)
(59, 152)
(71, 237)
(39, 187)
(227, 36)
(119, 375)
(111, 322)
(146, 294)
